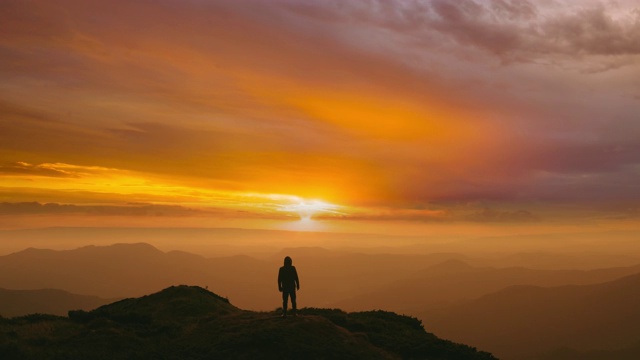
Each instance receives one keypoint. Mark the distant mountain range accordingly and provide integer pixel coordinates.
(183, 322)
(629, 353)
(126, 270)
(48, 301)
(514, 312)
(521, 322)
(540, 251)
(451, 282)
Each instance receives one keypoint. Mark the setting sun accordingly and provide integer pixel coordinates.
(306, 209)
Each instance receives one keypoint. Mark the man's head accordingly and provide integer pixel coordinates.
(288, 261)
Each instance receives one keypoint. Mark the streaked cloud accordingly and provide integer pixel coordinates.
(32, 208)
(51, 170)
(24, 168)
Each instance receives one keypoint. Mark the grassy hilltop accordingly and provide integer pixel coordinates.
(185, 322)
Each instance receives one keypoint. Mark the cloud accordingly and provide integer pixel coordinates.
(36, 208)
(23, 168)
(594, 31)
(391, 214)
(621, 210)
(57, 170)
(441, 212)
(490, 215)
(511, 30)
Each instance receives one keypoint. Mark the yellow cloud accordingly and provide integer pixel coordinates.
(101, 185)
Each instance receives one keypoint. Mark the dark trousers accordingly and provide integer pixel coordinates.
(285, 299)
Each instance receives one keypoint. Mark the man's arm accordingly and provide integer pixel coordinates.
(295, 272)
(280, 280)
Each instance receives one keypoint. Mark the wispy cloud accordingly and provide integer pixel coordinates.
(52, 170)
(511, 30)
(23, 168)
(36, 208)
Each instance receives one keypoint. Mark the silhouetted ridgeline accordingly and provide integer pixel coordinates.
(603, 316)
(47, 301)
(184, 322)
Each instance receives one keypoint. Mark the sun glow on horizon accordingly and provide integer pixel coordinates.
(307, 208)
(78, 186)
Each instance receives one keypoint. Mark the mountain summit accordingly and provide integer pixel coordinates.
(188, 322)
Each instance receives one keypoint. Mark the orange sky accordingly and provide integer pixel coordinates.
(423, 112)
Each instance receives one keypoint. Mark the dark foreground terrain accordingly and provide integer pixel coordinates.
(185, 322)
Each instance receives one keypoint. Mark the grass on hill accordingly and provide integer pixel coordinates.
(184, 322)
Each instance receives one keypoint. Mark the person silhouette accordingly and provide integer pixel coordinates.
(288, 282)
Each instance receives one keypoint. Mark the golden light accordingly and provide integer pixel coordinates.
(307, 208)
(109, 186)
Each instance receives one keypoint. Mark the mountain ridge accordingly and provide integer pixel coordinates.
(113, 272)
(50, 301)
(521, 321)
(453, 281)
(189, 322)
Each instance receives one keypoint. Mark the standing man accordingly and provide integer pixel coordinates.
(287, 284)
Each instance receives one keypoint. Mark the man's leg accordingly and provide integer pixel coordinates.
(285, 300)
(293, 301)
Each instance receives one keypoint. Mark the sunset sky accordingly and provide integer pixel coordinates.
(247, 113)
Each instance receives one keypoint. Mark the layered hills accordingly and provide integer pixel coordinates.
(454, 281)
(351, 281)
(188, 322)
(523, 322)
(513, 312)
(128, 270)
(49, 301)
